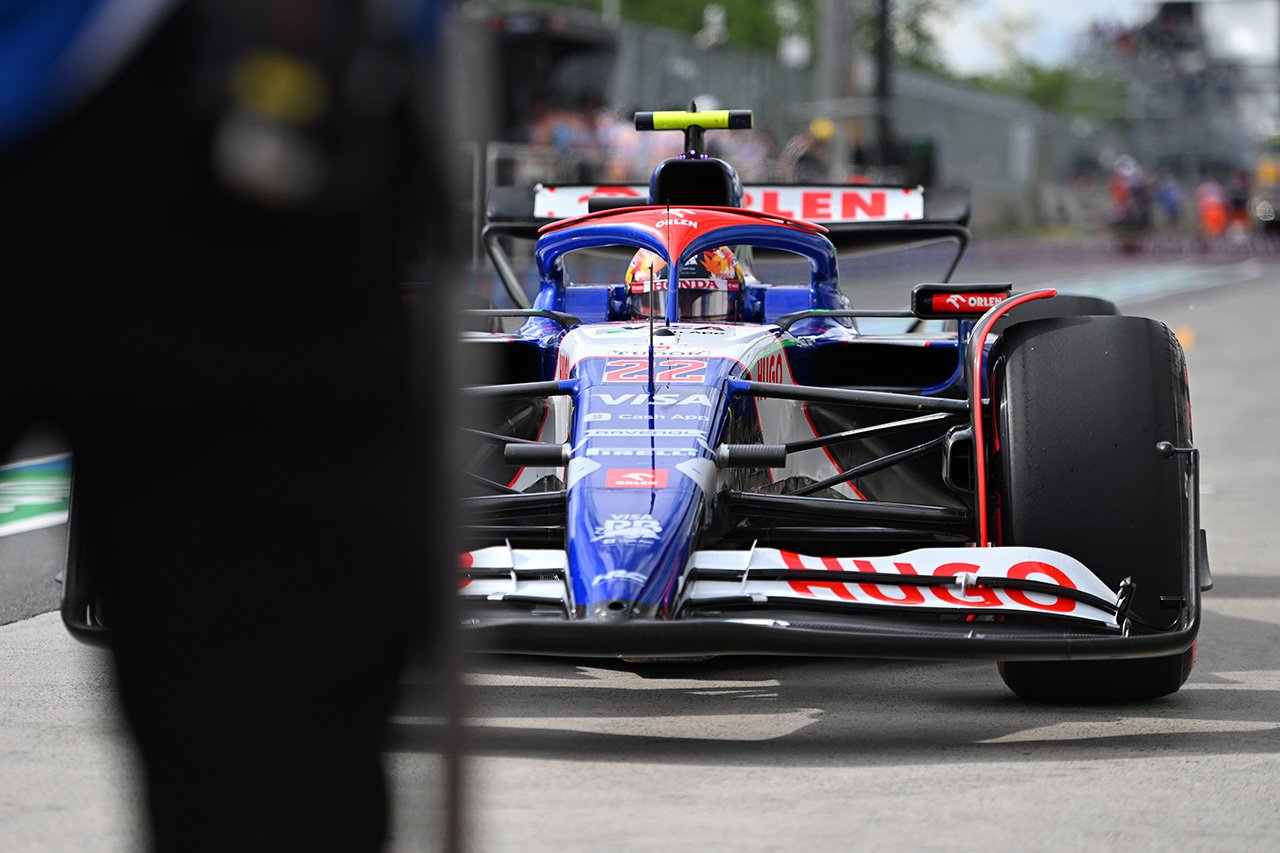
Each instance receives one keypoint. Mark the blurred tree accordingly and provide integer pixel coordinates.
(751, 24)
(911, 26)
(756, 25)
(915, 24)
(1063, 89)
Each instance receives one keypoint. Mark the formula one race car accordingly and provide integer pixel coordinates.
(688, 460)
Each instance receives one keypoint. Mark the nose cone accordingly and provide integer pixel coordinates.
(620, 574)
(641, 466)
(612, 610)
(629, 545)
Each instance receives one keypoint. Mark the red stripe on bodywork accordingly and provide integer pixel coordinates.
(977, 348)
(830, 456)
(546, 412)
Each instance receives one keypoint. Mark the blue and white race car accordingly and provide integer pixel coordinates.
(688, 460)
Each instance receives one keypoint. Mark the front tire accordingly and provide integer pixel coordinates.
(1062, 305)
(1080, 404)
(83, 581)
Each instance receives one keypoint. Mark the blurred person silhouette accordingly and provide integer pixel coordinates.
(1238, 195)
(1130, 203)
(205, 209)
(1169, 194)
(805, 158)
(592, 133)
(1211, 208)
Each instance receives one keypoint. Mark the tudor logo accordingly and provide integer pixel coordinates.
(636, 478)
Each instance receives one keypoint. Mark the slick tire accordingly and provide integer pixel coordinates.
(1079, 406)
(1066, 305)
(83, 583)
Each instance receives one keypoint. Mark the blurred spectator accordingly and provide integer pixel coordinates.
(1211, 204)
(1169, 195)
(1238, 193)
(628, 153)
(748, 151)
(583, 139)
(1130, 202)
(540, 129)
(592, 133)
(806, 158)
(571, 133)
(204, 203)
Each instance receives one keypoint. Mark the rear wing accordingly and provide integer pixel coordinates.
(835, 204)
(860, 218)
(826, 204)
(817, 203)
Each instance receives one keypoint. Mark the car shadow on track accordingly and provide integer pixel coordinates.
(803, 711)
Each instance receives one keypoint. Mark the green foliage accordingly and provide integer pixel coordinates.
(1064, 89)
(754, 25)
(750, 23)
(1061, 89)
(911, 24)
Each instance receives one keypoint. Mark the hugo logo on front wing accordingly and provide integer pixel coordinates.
(976, 597)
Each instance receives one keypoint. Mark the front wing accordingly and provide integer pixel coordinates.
(1004, 603)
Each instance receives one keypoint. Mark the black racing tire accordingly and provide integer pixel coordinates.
(83, 582)
(1063, 305)
(1079, 406)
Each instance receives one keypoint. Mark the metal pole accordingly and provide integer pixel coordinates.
(611, 12)
(833, 75)
(884, 62)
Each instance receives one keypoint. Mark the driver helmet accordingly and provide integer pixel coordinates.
(710, 285)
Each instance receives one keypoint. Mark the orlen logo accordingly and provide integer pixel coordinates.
(966, 303)
(815, 204)
(676, 216)
(636, 478)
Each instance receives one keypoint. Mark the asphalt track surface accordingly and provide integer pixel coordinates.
(785, 754)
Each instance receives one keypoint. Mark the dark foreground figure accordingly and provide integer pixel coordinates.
(230, 360)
